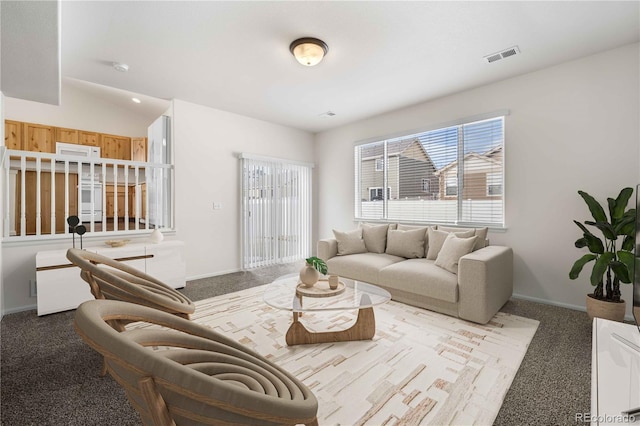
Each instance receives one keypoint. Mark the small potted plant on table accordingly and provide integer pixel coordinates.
(310, 272)
(613, 257)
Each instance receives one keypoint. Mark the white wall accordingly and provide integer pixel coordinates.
(207, 142)
(573, 126)
(79, 110)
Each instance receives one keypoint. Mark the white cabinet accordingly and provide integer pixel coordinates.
(615, 373)
(60, 287)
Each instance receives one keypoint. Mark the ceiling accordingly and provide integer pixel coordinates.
(382, 56)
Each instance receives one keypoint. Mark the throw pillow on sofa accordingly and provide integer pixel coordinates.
(481, 233)
(408, 244)
(375, 237)
(452, 250)
(350, 242)
(437, 237)
(402, 227)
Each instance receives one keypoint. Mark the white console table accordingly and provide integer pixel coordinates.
(615, 373)
(60, 287)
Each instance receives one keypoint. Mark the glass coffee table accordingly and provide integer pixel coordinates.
(286, 294)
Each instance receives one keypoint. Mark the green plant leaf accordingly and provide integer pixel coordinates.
(627, 224)
(318, 264)
(602, 263)
(581, 226)
(628, 243)
(594, 207)
(628, 259)
(579, 264)
(594, 243)
(621, 203)
(581, 242)
(606, 228)
(612, 208)
(621, 271)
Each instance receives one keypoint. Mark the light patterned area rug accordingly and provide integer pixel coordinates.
(420, 368)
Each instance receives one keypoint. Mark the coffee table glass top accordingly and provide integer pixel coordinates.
(281, 294)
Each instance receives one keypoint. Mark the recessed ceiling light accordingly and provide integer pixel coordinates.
(136, 100)
(118, 66)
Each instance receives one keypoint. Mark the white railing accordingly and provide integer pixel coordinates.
(35, 209)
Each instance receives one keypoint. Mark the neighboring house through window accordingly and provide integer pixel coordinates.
(452, 174)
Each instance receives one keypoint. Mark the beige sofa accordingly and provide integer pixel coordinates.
(473, 286)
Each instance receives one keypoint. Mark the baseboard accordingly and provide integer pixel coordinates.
(19, 309)
(214, 274)
(559, 304)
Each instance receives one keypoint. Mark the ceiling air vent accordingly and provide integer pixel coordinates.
(501, 55)
(328, 114)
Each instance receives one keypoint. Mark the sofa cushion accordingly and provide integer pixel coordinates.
(409, 244)
(452, 250)
(402, 227)
(481, 233)
(375, 237)
(362, 266)
(422, 277)
(350, 242)
(437, 237)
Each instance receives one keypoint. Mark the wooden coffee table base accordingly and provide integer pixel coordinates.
(363, 329)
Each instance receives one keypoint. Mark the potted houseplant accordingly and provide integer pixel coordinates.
(612, 256)
(310, 272)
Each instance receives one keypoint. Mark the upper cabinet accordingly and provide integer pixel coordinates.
(117, 147)
(88, 138)
(13, 134)
(138, 149)
(66, 135)
(41, 138)
(38, 138)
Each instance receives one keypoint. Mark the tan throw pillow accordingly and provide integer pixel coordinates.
(452, 250)
(402, 227)
(437, 237)
(481, 233)
(408, 244)
(350, 242)
(375, 237)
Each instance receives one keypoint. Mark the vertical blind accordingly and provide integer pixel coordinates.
(276, 211)
(454, 174)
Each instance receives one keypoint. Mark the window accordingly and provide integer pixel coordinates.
(425, 185)
(453, 174)
(276, 211)
(375, 194)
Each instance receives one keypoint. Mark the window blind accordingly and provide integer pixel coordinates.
(276, 211)
(454, 175)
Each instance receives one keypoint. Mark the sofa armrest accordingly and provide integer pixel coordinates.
(327, 249)
(485, 282)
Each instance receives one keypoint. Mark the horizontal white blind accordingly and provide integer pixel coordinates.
(423, 180)
(276, 211)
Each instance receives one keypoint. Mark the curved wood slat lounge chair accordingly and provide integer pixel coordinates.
(186, 374)
(126, 283)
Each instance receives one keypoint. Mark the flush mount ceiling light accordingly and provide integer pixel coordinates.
(309, 51)
(118, 66)
(136, 100)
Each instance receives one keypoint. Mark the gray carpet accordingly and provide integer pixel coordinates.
(50, 377)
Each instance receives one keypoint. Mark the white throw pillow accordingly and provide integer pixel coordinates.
(437, 237)
(402, 227)
(350, 242)
(409, 244)
(375, 237)
(452, 250)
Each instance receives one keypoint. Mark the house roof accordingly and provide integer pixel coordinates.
(486, 156)
(393, 148)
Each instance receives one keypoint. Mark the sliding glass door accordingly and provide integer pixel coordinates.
(276, 211)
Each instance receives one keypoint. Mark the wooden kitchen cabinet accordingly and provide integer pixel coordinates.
(116, 147)
(66, 135)
(139, 149)
(45, 201)
(12, 134)
(38, 138)
(88, 138)
(133, 190)
(111, 198)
